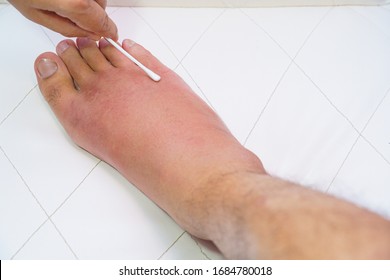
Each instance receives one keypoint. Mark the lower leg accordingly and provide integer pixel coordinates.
(272, 218)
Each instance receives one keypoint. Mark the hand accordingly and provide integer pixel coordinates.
(71, 18)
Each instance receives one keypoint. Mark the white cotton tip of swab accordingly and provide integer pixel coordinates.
(149, 72)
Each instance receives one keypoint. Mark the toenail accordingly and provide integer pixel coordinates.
(103, 43)
(82, 42)
(46, 68)
(63, 46)
(128, 43)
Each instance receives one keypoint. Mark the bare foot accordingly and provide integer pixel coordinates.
(160, 136)
(175, 149)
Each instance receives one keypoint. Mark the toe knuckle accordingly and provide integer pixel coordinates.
(53, 96)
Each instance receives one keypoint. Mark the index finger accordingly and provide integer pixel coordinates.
(88, 15)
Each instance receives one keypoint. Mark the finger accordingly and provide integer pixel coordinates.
(102, 3)
(90, 16)
(60, 24)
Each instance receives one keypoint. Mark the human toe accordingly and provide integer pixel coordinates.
(78, 68)
(92, 54)
(55, 82)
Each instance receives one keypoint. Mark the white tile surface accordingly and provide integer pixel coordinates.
(379, 16)
(348, 58)
(20, 45)
(132, 26)
(305, 144)
(290, 27)
(187, 78)
(20, 214)
(365, 179)
(45, 244)
(237, 66)
(179, 28)
(108, 218)
(378, 130)
(49, 162)
(2, 6)
(184, 249)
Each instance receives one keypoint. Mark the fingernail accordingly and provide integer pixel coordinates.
(62, 46)
(128, 43)
(46, 68)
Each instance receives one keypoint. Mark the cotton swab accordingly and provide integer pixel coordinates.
(149, 72)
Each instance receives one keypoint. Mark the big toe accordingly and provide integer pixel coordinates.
(55, 83)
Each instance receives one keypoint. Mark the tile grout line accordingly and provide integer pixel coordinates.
(115, 8)
(75, 189)
(266, 32)
(280, 80)
(193, 45)
(312, 32)
(202, 92)
(47, 215)
(292, 61)
(360, 136)
(66, 199)
(344, 116)
(158, 35)
(376, 150)
(17, 105)
(276, 42)
(40, 205)
(24, 182)
(341, 113)
(387, 94)
(299, 51)
(267, 103)
(327, 98)
(190, 49)
(35, 198)
(342, 164)
(202, 35)
(372, 22)
(47, 36)
(63, 238)
(200, 247)
(28, 239)
(174, 242)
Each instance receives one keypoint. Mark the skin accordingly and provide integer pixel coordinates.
(175, 149)
(71, 18)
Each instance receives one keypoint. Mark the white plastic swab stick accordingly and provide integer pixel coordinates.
(149, 72)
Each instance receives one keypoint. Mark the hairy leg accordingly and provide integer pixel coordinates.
(175, 149)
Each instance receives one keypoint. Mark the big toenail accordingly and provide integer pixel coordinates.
(46, 68)
(63, 46)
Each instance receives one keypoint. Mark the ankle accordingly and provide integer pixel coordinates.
(217, 195)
